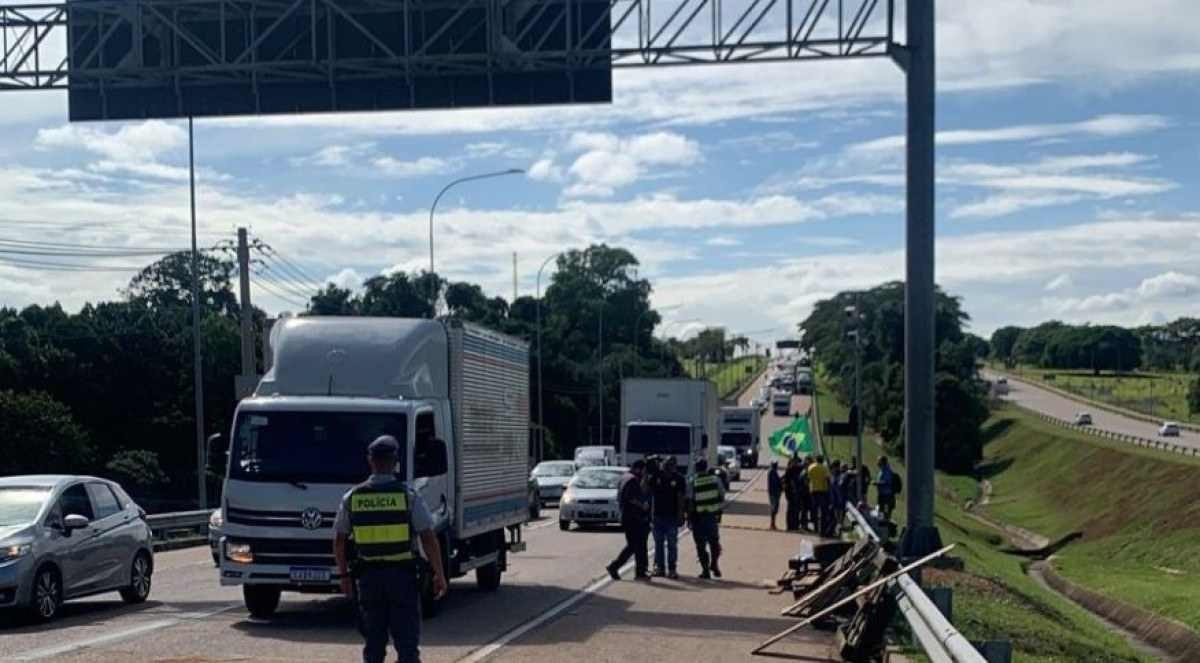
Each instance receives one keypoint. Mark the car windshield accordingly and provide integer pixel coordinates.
(554, 470)
(658, 440)
(309, 447)
(597, 479)
(19, 505)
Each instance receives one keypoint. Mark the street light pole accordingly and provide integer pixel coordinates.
(432, 208)
(538, 307)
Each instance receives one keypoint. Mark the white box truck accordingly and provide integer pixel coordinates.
(669, 417)
(740, 430)
(456, 396)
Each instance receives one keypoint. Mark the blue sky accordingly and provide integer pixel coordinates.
(1068, 153)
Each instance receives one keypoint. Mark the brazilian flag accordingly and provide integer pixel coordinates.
(792, 439)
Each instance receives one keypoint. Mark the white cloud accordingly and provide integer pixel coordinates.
(546, 170)
(1169, 284)
(1060, 282)
(366, 159)
(1103, 126)
(609, 162)
(393, 167)
(723, 240)
(348, 278)
(142, 141)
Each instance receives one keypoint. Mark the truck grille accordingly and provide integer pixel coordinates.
(259, 518)
(291, 552)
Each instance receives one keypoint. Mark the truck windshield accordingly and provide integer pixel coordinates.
(659, 440)
(310, 447)
(735, 439)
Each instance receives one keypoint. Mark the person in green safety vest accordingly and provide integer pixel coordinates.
(380, 516)
(707, 497)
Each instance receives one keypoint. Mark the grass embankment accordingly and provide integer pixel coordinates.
(729, 376)
(1139, 511)
(1159, 395)
(993, 598)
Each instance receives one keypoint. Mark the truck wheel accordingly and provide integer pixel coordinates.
(261, 600)
(564, 525)
(487, 577)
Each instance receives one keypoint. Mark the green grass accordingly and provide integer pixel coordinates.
(729, 376)
(993, 598)
(1160, 395)
(1140, 512)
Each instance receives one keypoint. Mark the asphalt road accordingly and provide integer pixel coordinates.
(1047, 402)
(191, 618)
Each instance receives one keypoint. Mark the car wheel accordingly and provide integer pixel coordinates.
(47, 594)
(140, 576)
(535, 508)
(564, 525)
(261, 600)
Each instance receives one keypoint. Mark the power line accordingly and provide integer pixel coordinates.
(269, 274)
(90, 247)
(277, 294)
(49, 266)
(291, 266)
(278, 274)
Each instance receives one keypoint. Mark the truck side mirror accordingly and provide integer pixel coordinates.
(429, 459)
(215, 456)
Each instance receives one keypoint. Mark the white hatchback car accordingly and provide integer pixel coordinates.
(63, 537)
(591, 497)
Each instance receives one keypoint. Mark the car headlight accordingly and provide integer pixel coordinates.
(16, 551)
(216, 520)
(239, 552)
(568, 497)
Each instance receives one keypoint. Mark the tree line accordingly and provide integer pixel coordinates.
(1174, 346)
(877, 317)
(108, 389)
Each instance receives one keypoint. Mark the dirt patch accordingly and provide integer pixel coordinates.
(1172, 637)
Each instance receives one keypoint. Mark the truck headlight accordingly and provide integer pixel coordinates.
(16, 551)
(239, 552)
(216, 520)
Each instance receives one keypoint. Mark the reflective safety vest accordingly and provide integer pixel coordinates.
(706, 493)
(381, 523)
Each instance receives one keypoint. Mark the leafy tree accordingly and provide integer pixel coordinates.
(1004, 341)
(40, 436)
(167, 283)
(137, 468)
(399, 295)
(332, 300)
(1193, 397)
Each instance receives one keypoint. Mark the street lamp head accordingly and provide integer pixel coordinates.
(514, 171)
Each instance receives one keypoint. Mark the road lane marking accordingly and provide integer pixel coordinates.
(596, 585)
(109, 638)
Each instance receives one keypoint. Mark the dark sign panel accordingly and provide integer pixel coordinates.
(175, 58)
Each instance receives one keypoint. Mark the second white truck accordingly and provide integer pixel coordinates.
(740, 430)
(669, 417)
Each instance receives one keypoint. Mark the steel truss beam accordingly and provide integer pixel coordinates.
(264, 41)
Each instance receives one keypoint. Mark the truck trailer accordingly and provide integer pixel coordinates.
(669, 417)
(456, 397)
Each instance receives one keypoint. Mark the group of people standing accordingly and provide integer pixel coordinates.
(653, 498)
(816, 493)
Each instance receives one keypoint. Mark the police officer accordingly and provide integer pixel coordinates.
(707, 497)
(380, 515)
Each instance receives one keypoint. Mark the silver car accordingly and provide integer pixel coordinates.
(591, 497)
(63, 537)
(552, 477)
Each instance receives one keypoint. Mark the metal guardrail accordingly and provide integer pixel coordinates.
(1144, 442)
(179, 529)
(938, 638)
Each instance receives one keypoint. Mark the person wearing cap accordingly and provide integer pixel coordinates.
(634, 501)
(707, 497)
(380, 515)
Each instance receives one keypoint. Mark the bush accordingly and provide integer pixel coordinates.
(40, 436)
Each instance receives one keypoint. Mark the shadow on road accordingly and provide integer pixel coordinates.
(85, 612)
(745, 508)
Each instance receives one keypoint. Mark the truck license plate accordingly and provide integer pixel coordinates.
(305, 574)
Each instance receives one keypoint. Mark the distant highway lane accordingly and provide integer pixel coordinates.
(1047, 402)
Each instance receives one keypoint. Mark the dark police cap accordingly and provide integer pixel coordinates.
(383, 446)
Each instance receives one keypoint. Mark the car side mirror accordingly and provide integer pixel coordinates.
(74, 522)
(429, 459)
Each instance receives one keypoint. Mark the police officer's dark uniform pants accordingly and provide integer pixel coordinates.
(706, 534)
(637, 534)
(389, 601)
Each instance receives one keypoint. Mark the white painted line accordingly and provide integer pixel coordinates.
(571, 601)
(109, 638)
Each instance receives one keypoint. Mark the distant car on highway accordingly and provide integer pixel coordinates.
(591, 497)
(1168, 429)
(552, 477)
(64, 537)
(728, 459)
(1001, 387)
(1083, 419)
(215, 522)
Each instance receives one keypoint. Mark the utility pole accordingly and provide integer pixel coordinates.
(514, 276)
(600, 369)
(243, 256)
(197, 364)
(921, 536)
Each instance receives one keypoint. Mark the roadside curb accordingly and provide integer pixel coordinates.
(1164, 633)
